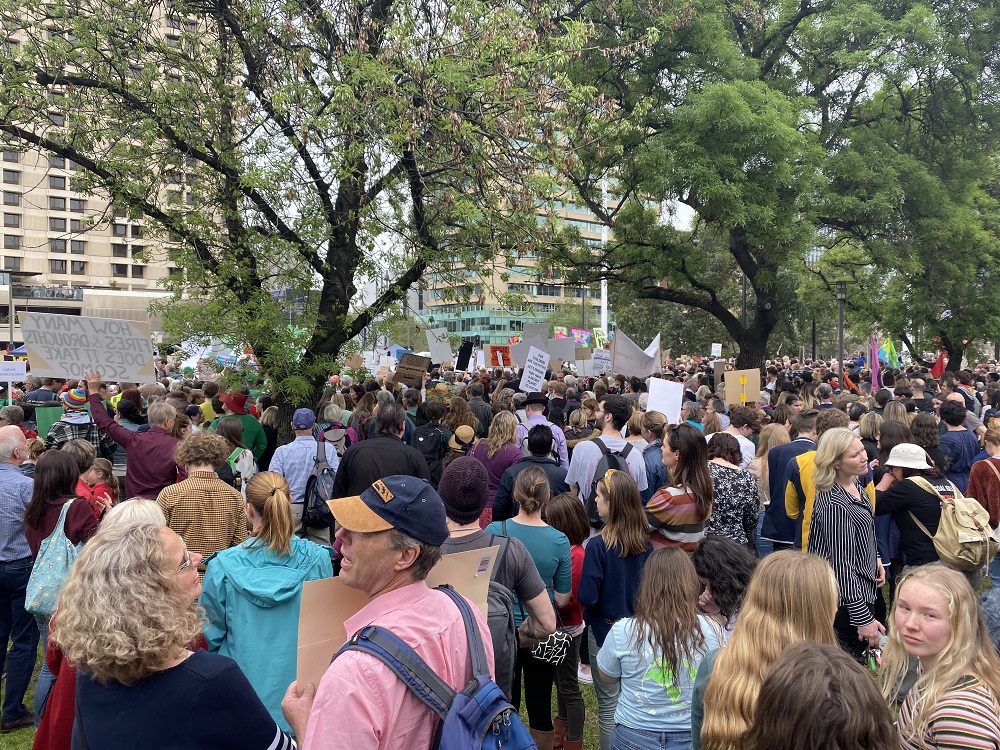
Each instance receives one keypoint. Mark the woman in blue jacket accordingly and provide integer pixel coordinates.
(252, 592)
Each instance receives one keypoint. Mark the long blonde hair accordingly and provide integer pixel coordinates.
(791, 597)
(502, 434)
(771, 435)
(969, 650)
(832, 445)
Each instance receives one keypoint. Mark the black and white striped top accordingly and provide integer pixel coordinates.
(843, 533)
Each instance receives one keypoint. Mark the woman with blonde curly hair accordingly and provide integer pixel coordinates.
(955, 702)
(125, 619)
(252, 592)
(791, 597)
(498, 452)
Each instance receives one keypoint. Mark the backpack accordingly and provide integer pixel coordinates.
(964, 539)
(477, 717)
(429, 440)
(500, 618)
(319, 489)
(609, 460)
(553, 451)
(340, 436)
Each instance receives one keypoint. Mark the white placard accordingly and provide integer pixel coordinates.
(440, 347)
(531, 330)
(716, 350)
(666, 396)
(13, 370)
(480, 358)
(66, 346)
(630, 360)
(600, 360)
(533, 374)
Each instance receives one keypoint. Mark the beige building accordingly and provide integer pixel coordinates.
(67, 252)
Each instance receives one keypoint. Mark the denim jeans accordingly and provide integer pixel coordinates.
(45, 678)
(764, 546)
(19, 628)
(625, 738)
(607, 696)
(994, 572)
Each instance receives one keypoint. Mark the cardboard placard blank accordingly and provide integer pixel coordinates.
(354, 361)
(327, 604)
(411, 370)
(438, 344)
(742, 387)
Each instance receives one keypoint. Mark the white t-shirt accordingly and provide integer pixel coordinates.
(747, 448)
(586, 456)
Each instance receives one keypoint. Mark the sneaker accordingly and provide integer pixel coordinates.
(583, 675)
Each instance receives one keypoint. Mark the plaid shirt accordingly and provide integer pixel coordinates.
(206, 513)
(63, 431)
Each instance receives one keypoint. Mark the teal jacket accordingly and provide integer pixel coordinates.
(251, 600)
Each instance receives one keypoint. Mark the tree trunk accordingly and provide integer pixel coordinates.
(753, 349)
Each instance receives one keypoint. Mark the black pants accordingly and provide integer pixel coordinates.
(538, 678)
(847, 634)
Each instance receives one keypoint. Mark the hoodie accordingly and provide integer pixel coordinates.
(251, 599)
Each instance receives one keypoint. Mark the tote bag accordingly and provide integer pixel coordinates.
(52, 566)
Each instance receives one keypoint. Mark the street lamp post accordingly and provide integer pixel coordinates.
(841, 299)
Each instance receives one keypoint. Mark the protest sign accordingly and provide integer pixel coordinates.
(665, 396)
(600, 338)
(61, 346)
(411, 370)
(560, 332)
(581, 336)
(327, 604)
(565, 349)
(520, 351)
(354, 361)
(533, 375)
(500, 355)
(481, 358)
(464, 355)
(719, 367)
(438, 345)
(629, 360)
(716, 350)
(742, 386)
(13, 370)
(601, 360)
(531, 330)
(653, 350)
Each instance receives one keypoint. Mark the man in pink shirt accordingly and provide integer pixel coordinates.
(392, 536)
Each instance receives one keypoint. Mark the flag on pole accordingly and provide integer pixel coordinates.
(942, 361)
(888, 352)
(873, 346)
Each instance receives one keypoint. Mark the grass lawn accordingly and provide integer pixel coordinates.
(22, 738)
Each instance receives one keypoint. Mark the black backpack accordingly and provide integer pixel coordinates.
(429, 440)
(319, 489)
(500, 618)
(609, 460)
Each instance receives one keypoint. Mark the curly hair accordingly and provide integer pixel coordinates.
(727, 566)
(502, 434)
(120, 615)
(202, 448)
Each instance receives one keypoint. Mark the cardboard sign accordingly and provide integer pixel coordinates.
(742, 387)
(666, 396)
(439, 346)
(600, 361)
(556, 365)
(600, 338)
(500, 355)
(533, 375)
(520, 351)
(720, 371)
(582, 352)
(530, 330)
(716, 350)
(13, 370)
(464, 355)
(61, 346)
(411, 370)
(354, 362)
(564, 349)
(327, 604)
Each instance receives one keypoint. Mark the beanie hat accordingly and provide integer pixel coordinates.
(464, 489)
(74, 399)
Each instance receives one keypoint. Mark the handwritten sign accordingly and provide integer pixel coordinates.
(411, 370)
(742, 386)
(533, 375)
(13, 370)
(500, 356)
(716, 350)
(354, 362)
(62, 346)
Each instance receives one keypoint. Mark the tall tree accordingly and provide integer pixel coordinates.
(288, 145)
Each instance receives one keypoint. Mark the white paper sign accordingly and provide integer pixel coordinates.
(716, 350)
(533, 375)
(531, 330)
(480, 358)
(600, 360)
(13, 370)
(61, 346)
(666, 396)
(630, 360)
(439, 346)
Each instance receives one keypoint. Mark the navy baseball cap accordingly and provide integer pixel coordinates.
(401, 502)
(303, 419)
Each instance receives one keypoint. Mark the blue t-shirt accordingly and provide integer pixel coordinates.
(651, 697)
(550, 551)
(960, 448)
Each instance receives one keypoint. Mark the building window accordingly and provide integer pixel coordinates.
(57, 246)
(11, 177)
(79, 247)
(137, 232)
(138, 272)
(119, 230)
(56, 203)
(57, 182)
(119, 270)
(174, 270)
(11, 156)
(78, 267)
(57, 266)
(12, 220)
(57, 224)
(137, 250)
(119, 213)
(11, 263)
(119, 250)
(76, 225)
(11, 199)
(12, 241)
(58, 162)
(77, 205)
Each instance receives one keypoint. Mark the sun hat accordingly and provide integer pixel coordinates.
(908, 456)
(463, 438)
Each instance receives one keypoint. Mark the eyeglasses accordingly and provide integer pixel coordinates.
(188, 562)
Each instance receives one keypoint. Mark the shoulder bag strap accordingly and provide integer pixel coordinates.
(990, 464)
(477, 652)
(923, 484)
(501, 553)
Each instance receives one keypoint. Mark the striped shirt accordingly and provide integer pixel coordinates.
(673, 518)
(966, 718)
(842, 532)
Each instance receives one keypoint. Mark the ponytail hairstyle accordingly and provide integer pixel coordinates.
(104, 466)
(270, 497)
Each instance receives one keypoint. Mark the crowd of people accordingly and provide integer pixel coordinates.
(773, 573)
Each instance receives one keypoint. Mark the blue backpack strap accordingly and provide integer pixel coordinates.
(477, 652)
(434, 692)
